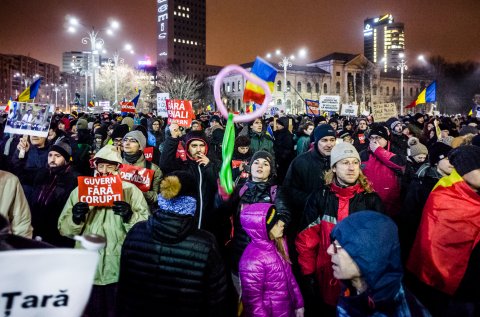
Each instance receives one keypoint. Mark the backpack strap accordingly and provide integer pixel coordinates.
(243, 190)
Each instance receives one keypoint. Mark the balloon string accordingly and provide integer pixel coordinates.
(228, 143)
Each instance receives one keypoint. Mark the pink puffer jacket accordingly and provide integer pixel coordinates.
(269, 288)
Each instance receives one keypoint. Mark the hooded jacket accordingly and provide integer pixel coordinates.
(371, 240)
(383, 169)
(323, 209)
(268, 285)
(170, 268)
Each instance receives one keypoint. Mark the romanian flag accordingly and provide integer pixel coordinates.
(251, 108)
(10, 103)
(263, 70)
(91, 103)
(270, 132)
(135, 100)
(31, 92)
(428, 94)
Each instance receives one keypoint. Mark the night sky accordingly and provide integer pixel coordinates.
(237, 31)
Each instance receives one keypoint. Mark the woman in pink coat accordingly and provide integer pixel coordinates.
(269, 288)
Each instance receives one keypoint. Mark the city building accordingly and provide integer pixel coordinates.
(351, 76)
(181, 39)
(383, 41)
(17, 72)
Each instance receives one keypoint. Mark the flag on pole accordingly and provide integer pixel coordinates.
(263, 70)
(270, 132)
(10, 103)
(31, 92)
(135, 100)
(428, 94)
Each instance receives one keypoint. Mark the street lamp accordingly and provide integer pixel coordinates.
(286, 61)
(116, 60)
(96, 42)
(402, 66)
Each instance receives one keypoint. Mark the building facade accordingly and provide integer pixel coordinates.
(351, 76)
(181, 35)
(383, 41)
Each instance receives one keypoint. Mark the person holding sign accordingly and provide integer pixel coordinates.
(137, 170)
(106, 206)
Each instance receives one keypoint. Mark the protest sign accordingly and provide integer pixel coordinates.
(330, 103)
(128, 106)
(139, 176)
(100, 190)
(162, 104)
(29, 118)
(148, 153)
(312, 107)
(180, 111)
(383, 111)
(46, 282)
(349, 110)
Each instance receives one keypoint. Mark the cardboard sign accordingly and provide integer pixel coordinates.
(383, 111)
(312, 107)
(330, 103)
(349, 110)
(128, 106)
(29, 118)
(148, 153)
(100, 191)
(162, 104)
(180, 111)
(139, 176)
(46, 282)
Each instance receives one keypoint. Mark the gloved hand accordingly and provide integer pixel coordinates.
(122, 209)
(79, 212)
(221, 192)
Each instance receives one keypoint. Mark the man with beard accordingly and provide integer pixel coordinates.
(198, 164)
(51, 188)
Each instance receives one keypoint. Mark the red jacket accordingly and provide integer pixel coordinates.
(382, 169)
(324, 208)
(448, 232)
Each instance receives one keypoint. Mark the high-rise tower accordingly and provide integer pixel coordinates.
(383, 41)
(181, 36)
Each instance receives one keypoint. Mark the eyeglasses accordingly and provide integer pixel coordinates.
(131, 140)
(375, 138)
(336, 247)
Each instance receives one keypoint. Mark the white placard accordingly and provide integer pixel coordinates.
(162, 104)
(46, 282)
(29, 118)
(349, 110)
(330, 103)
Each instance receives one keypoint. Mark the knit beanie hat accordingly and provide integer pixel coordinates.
(283, 121)
(62, 148)
(417, 116)
(266, 156)
(468, 130)
(379, 130)
(120, 131)
(142, 129)
(392, 123)
(342, 151)
(271, 218)
(128, 121)
(437, 152)
(416, 148)
(102, 132)
(137, 135)
(66, 123)
(465, 158)
(177, 194)
(322, 131)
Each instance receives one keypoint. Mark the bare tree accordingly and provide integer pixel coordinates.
(179, 86)
(129, 81)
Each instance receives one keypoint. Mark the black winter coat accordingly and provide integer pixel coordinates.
(206, 179)
(170, 268)
(305, 175)
(284, 152)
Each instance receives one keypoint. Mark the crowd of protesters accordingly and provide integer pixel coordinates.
(329, 215)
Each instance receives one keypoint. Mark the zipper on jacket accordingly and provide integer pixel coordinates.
(201, 197)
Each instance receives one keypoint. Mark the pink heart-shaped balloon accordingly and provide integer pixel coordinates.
(250, 77)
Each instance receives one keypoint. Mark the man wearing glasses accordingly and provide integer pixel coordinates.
(346, 191)
(365, 256)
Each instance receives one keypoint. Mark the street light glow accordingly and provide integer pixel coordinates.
(401, 55)
(71, 29)
(115, 24)
(109, 32)
(421, 58)
(302, 53)
(269, 55)
(128, 47)
(278, 52)
(292, 57)
(73, 21)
